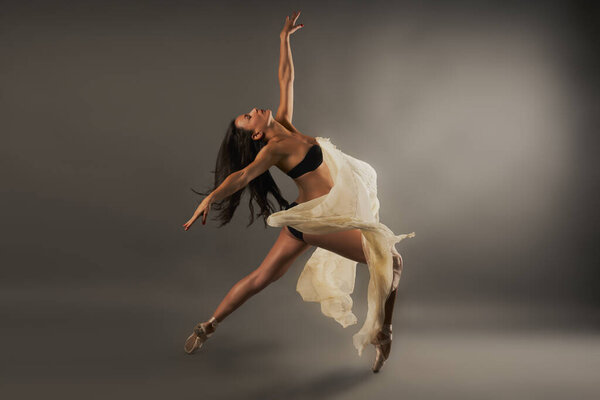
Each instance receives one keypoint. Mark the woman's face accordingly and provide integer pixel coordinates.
(256, 120)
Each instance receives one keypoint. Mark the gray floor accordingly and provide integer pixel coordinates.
(121, 344)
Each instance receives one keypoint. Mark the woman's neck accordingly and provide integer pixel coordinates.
(276, 130)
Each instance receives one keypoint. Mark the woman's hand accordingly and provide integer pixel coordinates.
(289, 27)
(202, 210)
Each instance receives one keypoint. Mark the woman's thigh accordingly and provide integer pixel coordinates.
(345, 243)
(281, 256)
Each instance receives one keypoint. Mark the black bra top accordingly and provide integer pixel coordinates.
(311, 161)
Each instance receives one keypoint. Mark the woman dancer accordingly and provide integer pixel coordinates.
(337, 211)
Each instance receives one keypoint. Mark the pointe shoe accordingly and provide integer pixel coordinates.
(380, 343)
(200, 335)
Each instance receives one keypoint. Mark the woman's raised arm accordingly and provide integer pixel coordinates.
(286, 70)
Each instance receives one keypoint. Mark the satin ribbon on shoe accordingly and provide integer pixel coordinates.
(197, 339)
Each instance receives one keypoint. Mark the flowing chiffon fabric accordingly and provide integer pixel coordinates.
(327, 277)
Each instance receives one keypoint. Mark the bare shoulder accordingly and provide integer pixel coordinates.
(299, 136)
(275, 148)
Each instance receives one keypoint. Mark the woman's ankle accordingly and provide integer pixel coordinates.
(211, 325)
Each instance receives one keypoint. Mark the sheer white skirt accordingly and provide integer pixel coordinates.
(327, 277)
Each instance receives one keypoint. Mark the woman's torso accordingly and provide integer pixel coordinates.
(311, 184)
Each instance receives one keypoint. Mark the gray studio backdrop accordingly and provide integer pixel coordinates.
(476, 116)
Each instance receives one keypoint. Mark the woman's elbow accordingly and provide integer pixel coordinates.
(286, 76)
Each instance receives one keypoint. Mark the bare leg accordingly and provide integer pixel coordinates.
(349, 244)
(279, 259)
(237, 295)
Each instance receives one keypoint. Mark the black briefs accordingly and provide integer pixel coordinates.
(311, 161)
(294, 231)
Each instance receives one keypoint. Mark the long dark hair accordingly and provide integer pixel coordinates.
(238, 149)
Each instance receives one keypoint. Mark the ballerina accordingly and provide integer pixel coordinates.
(337, 211)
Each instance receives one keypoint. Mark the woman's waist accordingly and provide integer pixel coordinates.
(313, 186)
(312, 193)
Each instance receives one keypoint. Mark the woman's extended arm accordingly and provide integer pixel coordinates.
(234, 182)
(267, 156)
(286, 69)
(286, 82)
